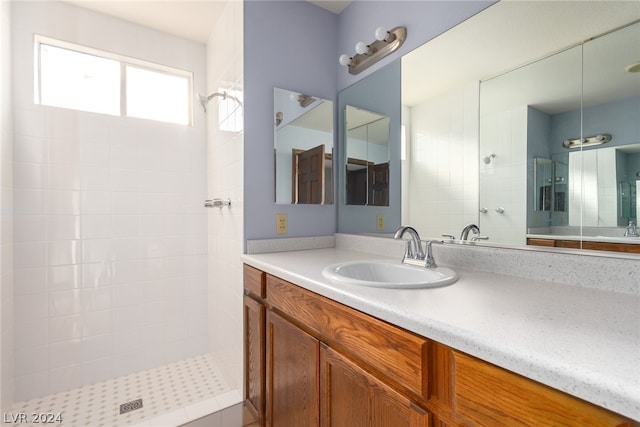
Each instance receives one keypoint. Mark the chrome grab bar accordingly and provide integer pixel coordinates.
(217, 203)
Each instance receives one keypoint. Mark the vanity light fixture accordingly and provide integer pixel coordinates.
(602, 138)
(302, 99)
(368, 54)
(279, 118)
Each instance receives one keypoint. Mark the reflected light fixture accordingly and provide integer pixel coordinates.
(387, 41)
(602, 138)
(302, 99)
(633, 68)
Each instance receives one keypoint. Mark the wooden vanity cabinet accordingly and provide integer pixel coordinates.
(585, 244)
(332, 366)
(292, 377)
(254, 341)
(352, 397)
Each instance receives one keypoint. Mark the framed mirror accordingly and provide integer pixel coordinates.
(369, 113)
(303, 148)
(367, 157)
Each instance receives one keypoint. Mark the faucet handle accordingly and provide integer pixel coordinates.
(431, 262)
(449, 236)
(475, 238)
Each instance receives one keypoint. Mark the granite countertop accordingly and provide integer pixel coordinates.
(583, 341)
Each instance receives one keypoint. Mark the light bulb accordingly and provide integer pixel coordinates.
(362, 48)
(294, 97)
(345, 60)
(382, 34)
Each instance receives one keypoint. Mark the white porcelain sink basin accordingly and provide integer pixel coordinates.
(389, 274)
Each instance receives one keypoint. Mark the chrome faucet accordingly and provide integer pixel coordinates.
(414, 246)
(632, 230)
(467, 229)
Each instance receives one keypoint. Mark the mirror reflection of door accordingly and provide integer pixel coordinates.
(379, 184)
(303, 124)
(308, 176)
(356, 182)
(367, 161)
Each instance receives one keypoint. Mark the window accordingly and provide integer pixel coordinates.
(156, 95)
(81, 78)
(79, 81)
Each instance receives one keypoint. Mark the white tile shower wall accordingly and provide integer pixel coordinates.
(6, 217)
(504, 180)
(110, 242)
(225, 180)
(443, 163)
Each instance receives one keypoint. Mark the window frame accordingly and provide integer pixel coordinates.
(39, 40)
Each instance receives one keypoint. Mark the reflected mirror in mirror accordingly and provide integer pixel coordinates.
(303, 126)
(367, 157)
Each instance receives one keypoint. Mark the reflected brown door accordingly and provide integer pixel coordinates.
(308, 176)
(379, 184)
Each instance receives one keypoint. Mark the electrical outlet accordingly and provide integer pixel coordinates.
(281, 224)
(380, 222)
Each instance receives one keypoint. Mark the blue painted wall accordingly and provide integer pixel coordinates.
(295, 45)
(290, 45)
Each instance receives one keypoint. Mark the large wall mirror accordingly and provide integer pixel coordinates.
(303, 126)
(486, 135)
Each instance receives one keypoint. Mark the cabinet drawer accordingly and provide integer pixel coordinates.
(254, 281)
(485, 394)
(399, 355)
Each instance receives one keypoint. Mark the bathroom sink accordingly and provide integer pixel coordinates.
(389, 274)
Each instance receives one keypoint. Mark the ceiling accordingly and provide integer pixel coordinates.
(189, 19)
(331, 5)
(502, 37)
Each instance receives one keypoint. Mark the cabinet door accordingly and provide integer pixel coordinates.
(352, 397)
(292, 375)
(254, 354)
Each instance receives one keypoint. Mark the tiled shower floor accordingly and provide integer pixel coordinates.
(171, 395)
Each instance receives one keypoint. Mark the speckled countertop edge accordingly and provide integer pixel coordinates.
(583, 341)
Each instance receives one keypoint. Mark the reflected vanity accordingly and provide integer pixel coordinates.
(303, 148)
